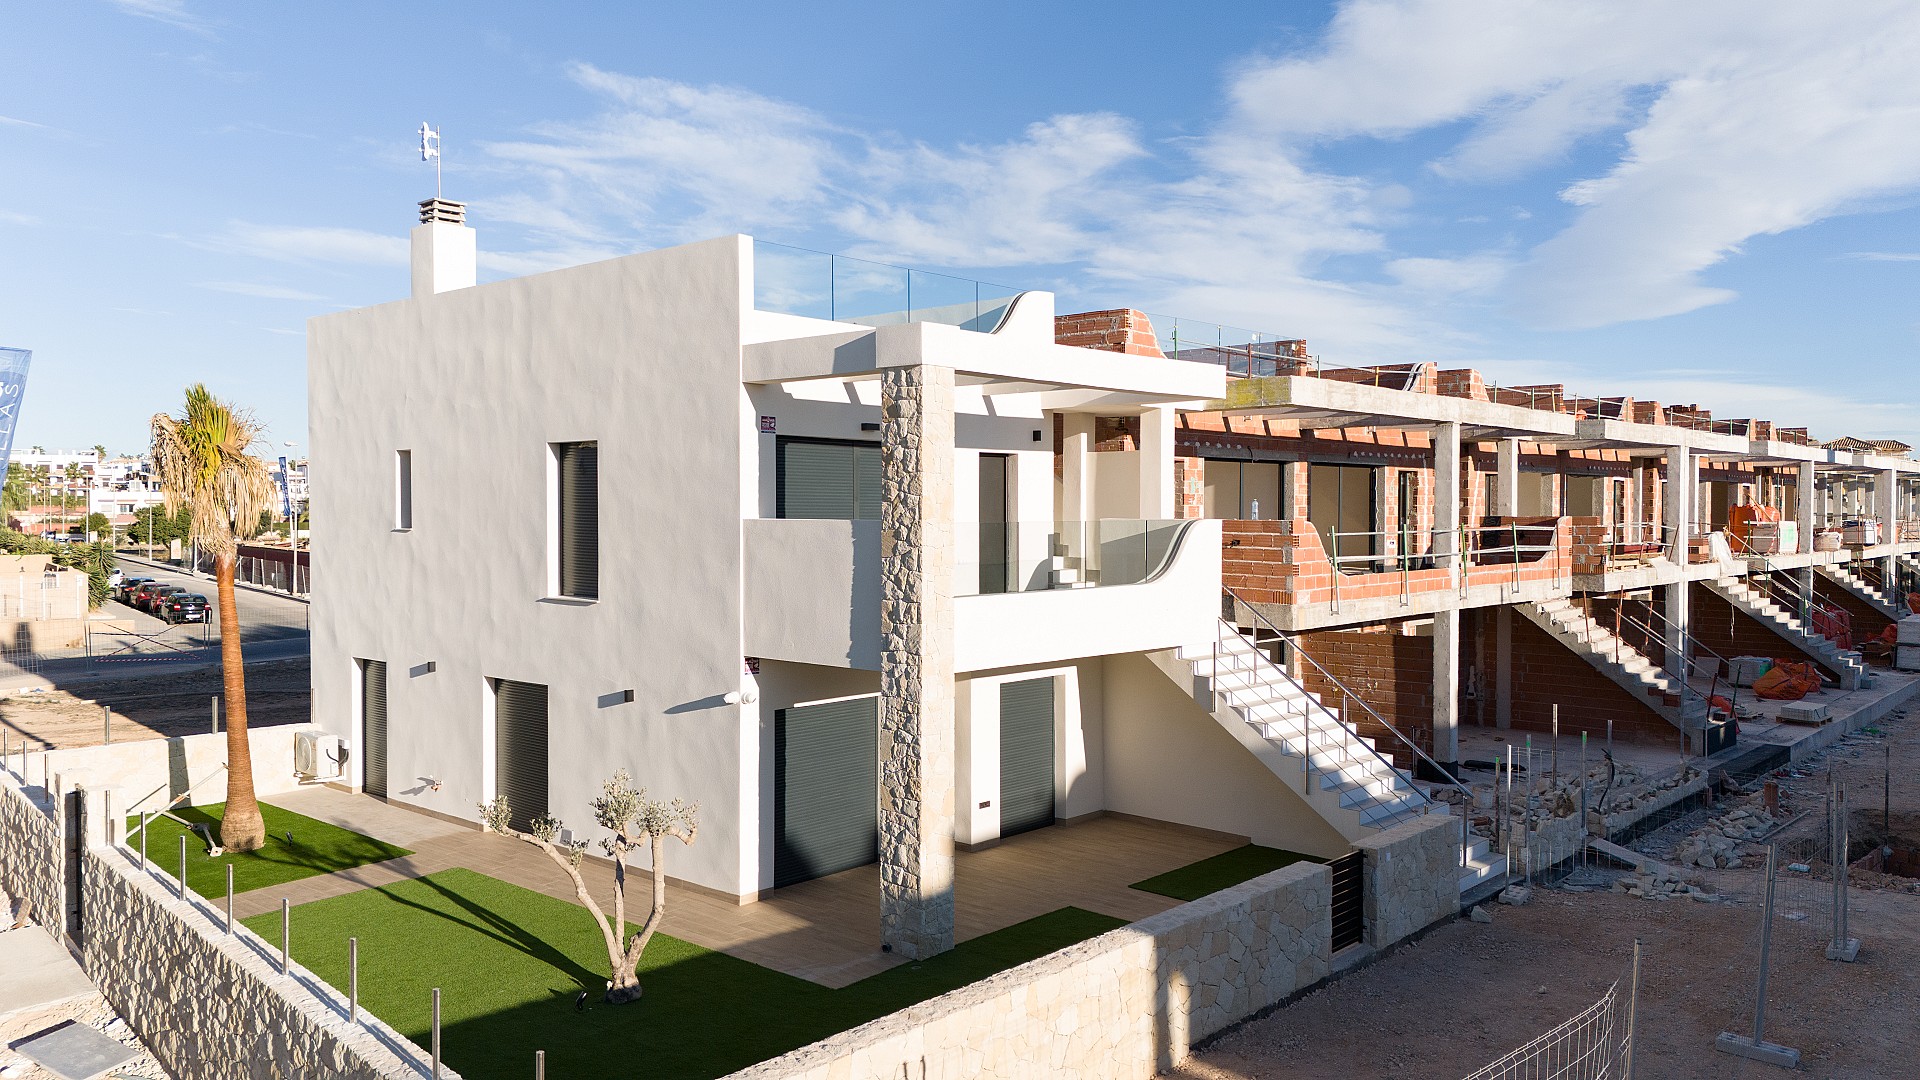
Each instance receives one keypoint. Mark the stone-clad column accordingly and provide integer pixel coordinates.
(916, 661)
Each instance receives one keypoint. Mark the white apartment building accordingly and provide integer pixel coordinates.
(818, 576)
(870, 565)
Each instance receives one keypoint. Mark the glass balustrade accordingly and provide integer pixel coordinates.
(1033, 556)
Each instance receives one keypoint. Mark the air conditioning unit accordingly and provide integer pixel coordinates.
(316, 755)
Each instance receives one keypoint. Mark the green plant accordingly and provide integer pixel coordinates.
(201, 461)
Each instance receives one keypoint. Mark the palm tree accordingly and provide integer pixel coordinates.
(200, 461)
(73, 475)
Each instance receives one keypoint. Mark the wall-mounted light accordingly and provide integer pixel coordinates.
(626, 697)
(742, 697)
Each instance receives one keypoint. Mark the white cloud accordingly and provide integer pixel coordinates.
(1740, 120)
(17, 122)
(171, 12)
(263, 291)
(1885, 256)
(302, 243)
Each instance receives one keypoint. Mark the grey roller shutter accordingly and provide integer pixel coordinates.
(1026, 755)
(520, 748)
(580, 520)
(826, 789)
(817, 478)
(373, 737)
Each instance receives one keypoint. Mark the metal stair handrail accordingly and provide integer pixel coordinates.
(1687, 692)
(1348, 695)
(1803, 598)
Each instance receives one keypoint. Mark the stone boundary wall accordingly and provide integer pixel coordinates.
(1126, 1004)
(1412, 878)
(214, 1007)
(30, 846)
(148, 773)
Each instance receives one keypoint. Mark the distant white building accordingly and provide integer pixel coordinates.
(289, 485)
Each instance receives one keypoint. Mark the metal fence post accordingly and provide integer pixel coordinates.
(1842, 947)
(1756, 1047)
(229, 899)
(436, 1033)
(180, 886)
(286, 932)
(353, 980)
(106, 722)
(145, 820)
(216, 713)
(539, 1065)
(1633, 1007)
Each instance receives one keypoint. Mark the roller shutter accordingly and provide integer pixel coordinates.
(520, 748)
(580, 520)
(373, 735)
(1026, 755)
(826, 789)
(819, 478)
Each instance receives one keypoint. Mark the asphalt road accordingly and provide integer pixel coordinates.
(272, 627)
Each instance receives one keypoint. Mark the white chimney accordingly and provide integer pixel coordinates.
(445, 253)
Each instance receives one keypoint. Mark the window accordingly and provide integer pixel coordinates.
(1246, 490)
(1340, 504)
(826, 478)
(578, 546)
(403, 489)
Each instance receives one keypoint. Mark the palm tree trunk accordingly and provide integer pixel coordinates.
(241, 827)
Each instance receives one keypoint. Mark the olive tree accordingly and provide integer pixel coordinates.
(633, 822)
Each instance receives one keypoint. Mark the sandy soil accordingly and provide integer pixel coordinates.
(154, 706)
(1467, 993)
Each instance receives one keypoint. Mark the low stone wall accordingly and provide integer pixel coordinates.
(148, 773)
(30, 846)
(1412, 878)
(1128, 1003)
(214, 1007)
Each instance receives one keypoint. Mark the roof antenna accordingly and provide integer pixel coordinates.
(430, 151)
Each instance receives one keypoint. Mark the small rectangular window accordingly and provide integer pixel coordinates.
(579, 524)
(403, 489)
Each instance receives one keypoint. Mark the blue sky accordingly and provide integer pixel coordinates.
(1713, 202)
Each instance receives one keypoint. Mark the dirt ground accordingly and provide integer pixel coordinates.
(1467, 993)
(154, 706)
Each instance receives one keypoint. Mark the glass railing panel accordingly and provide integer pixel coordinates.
(1011, 557)
(819, 285)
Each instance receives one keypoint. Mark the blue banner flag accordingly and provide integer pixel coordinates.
(13, 390)
(286, 488)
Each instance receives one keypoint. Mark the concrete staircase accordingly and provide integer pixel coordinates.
(1334, 769)
(1612, 656)
(1845, 578)
(1755, 602)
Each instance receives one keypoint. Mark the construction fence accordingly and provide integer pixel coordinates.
(1595, 1043)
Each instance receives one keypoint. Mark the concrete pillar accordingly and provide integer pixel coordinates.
(1156, 465)
(1677, 514)
(916, 661)
(1446, 495)
(1505, 499)
(1446, 688)
(1805, 499)
(1076, 467)
(1886, 490)
(1503, 667)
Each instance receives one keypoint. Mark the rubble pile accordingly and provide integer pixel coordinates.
(1722, 842)
(1659, 882)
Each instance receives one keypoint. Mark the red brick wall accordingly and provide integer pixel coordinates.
(1189, 487)
(1868, 622)
(1730, 632)
(1391, 672)
(1547, 673)
(1121, 330)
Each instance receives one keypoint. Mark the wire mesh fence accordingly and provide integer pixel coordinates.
(1595, 1043)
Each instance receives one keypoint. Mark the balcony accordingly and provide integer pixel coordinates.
(819, 285)
(1065, 590)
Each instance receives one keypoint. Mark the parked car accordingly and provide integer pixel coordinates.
(115, 576)
(124, 589)
(182, 607)
(148, 598)
(137, 594)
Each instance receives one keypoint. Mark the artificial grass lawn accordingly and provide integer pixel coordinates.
(509, 963)
(317, 848)
(1223, 871)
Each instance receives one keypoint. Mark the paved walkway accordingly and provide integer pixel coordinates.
(825, 931)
